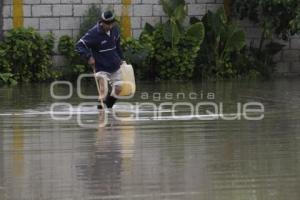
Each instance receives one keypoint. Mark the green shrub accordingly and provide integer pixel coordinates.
(5, 65)
(74, 66)
(176, 10)
(66, 46)
(168, 50)
(26, 54)
(222, 44)
(138, 53)
(295, 23)
(174, 46)
(176, 62)
(49, 42)
(7, 78)
(252, 61)
(278, 19)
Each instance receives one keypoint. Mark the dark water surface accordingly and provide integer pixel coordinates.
(149, 156)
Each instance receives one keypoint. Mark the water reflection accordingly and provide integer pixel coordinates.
(41, 158)
(18, 148)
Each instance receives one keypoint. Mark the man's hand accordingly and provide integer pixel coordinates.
(92, 61)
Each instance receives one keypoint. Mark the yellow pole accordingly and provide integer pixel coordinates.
(18, 18)
(125, 19)
(18, 148)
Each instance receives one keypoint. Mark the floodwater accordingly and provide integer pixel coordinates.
(65, 149)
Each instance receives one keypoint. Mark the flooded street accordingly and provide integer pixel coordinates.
(56, 149)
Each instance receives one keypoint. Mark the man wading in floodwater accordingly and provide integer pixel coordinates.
(100, 46)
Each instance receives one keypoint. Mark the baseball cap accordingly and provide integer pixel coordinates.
(108, 17)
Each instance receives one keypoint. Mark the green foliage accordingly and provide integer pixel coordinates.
(295, 23)
(138, 53)
(50, 41)
(170, 48)
(5, 65)
(279, 17)
(222, 43)
(7, 78)
(66, 46)
(176, 10)
(177, 62)
(253, 61)
(26, 54)
(91, 16)
(74, 65)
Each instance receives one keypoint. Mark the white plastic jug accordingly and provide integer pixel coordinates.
(128, 86)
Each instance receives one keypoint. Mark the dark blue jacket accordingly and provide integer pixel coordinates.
(105, 49)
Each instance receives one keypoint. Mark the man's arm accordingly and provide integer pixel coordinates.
(119, 49)
(84, 45)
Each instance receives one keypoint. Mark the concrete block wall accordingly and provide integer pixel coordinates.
(64, 16)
